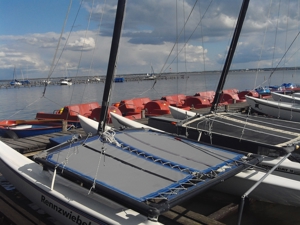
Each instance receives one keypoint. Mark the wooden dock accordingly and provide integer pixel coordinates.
(31, 145)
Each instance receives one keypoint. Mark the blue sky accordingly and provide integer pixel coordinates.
(30, 31)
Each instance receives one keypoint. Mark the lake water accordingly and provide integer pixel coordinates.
(24, 103)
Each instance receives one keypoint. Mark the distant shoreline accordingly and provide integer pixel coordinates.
(163, 74)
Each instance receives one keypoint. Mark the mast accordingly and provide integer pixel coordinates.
(112, 63)
(230, 54)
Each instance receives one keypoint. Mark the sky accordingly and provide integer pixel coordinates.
(41, 38)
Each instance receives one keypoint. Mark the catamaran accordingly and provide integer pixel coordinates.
(119, 177)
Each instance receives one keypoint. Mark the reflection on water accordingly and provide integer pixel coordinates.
(23, 103)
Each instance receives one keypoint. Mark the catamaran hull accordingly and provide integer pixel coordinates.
(285, 98)
(282, 110)
(69, 203)
(274, 189)
(181, 114)
(281, 187)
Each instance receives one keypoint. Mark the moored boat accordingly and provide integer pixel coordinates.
(70, 112)
(27, 128)
(276, 109)
(284, 182)
(120, 177)
(66, 81)
(285, 98)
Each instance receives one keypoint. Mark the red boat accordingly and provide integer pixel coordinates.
(200, 99)
(157, 108)
(70, 112)
(178, 100)
(132, 108)
(95, 115)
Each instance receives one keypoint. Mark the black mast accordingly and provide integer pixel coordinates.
(112, 63)
(230, 54)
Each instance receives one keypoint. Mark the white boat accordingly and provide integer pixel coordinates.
(285, 98)
(281, 187)
(149, 77)
(96, 79)
(66, 201)
(46, 82)
(181, 114)
(119, 177)
(90, 126)
(277, 109)
(257, 134)
(66, 81)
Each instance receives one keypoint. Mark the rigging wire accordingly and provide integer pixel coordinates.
(284, 55)
(83, 45)
(275, 41)
(203, 49)
(286, 36)
(164, 66)
(93, 53)
(62, 31)
(263, 44)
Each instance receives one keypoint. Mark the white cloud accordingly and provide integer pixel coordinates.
(149, 34)
(82, 44)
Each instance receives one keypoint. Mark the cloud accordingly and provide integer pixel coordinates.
(82, 44)
(154, 32)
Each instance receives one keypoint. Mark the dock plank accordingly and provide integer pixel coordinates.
(37, 143)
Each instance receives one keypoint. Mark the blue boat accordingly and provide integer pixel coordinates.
(22, 128)
(119, 80)
(263, 91)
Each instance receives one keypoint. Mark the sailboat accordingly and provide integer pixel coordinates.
(251, 133)
(14, 81)
(282, 106)
(284, 183)
(66, 80)
(119, 177)
(278, 109)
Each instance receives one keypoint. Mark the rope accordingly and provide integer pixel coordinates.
(98, 166)
(109, 136)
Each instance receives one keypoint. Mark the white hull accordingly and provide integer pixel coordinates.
(281, 110)
(89, 125)
(69, 203)
(181, 114)
(275, 188)
(65, 83)
(279, 187)
(119, 121)
(285, 98)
